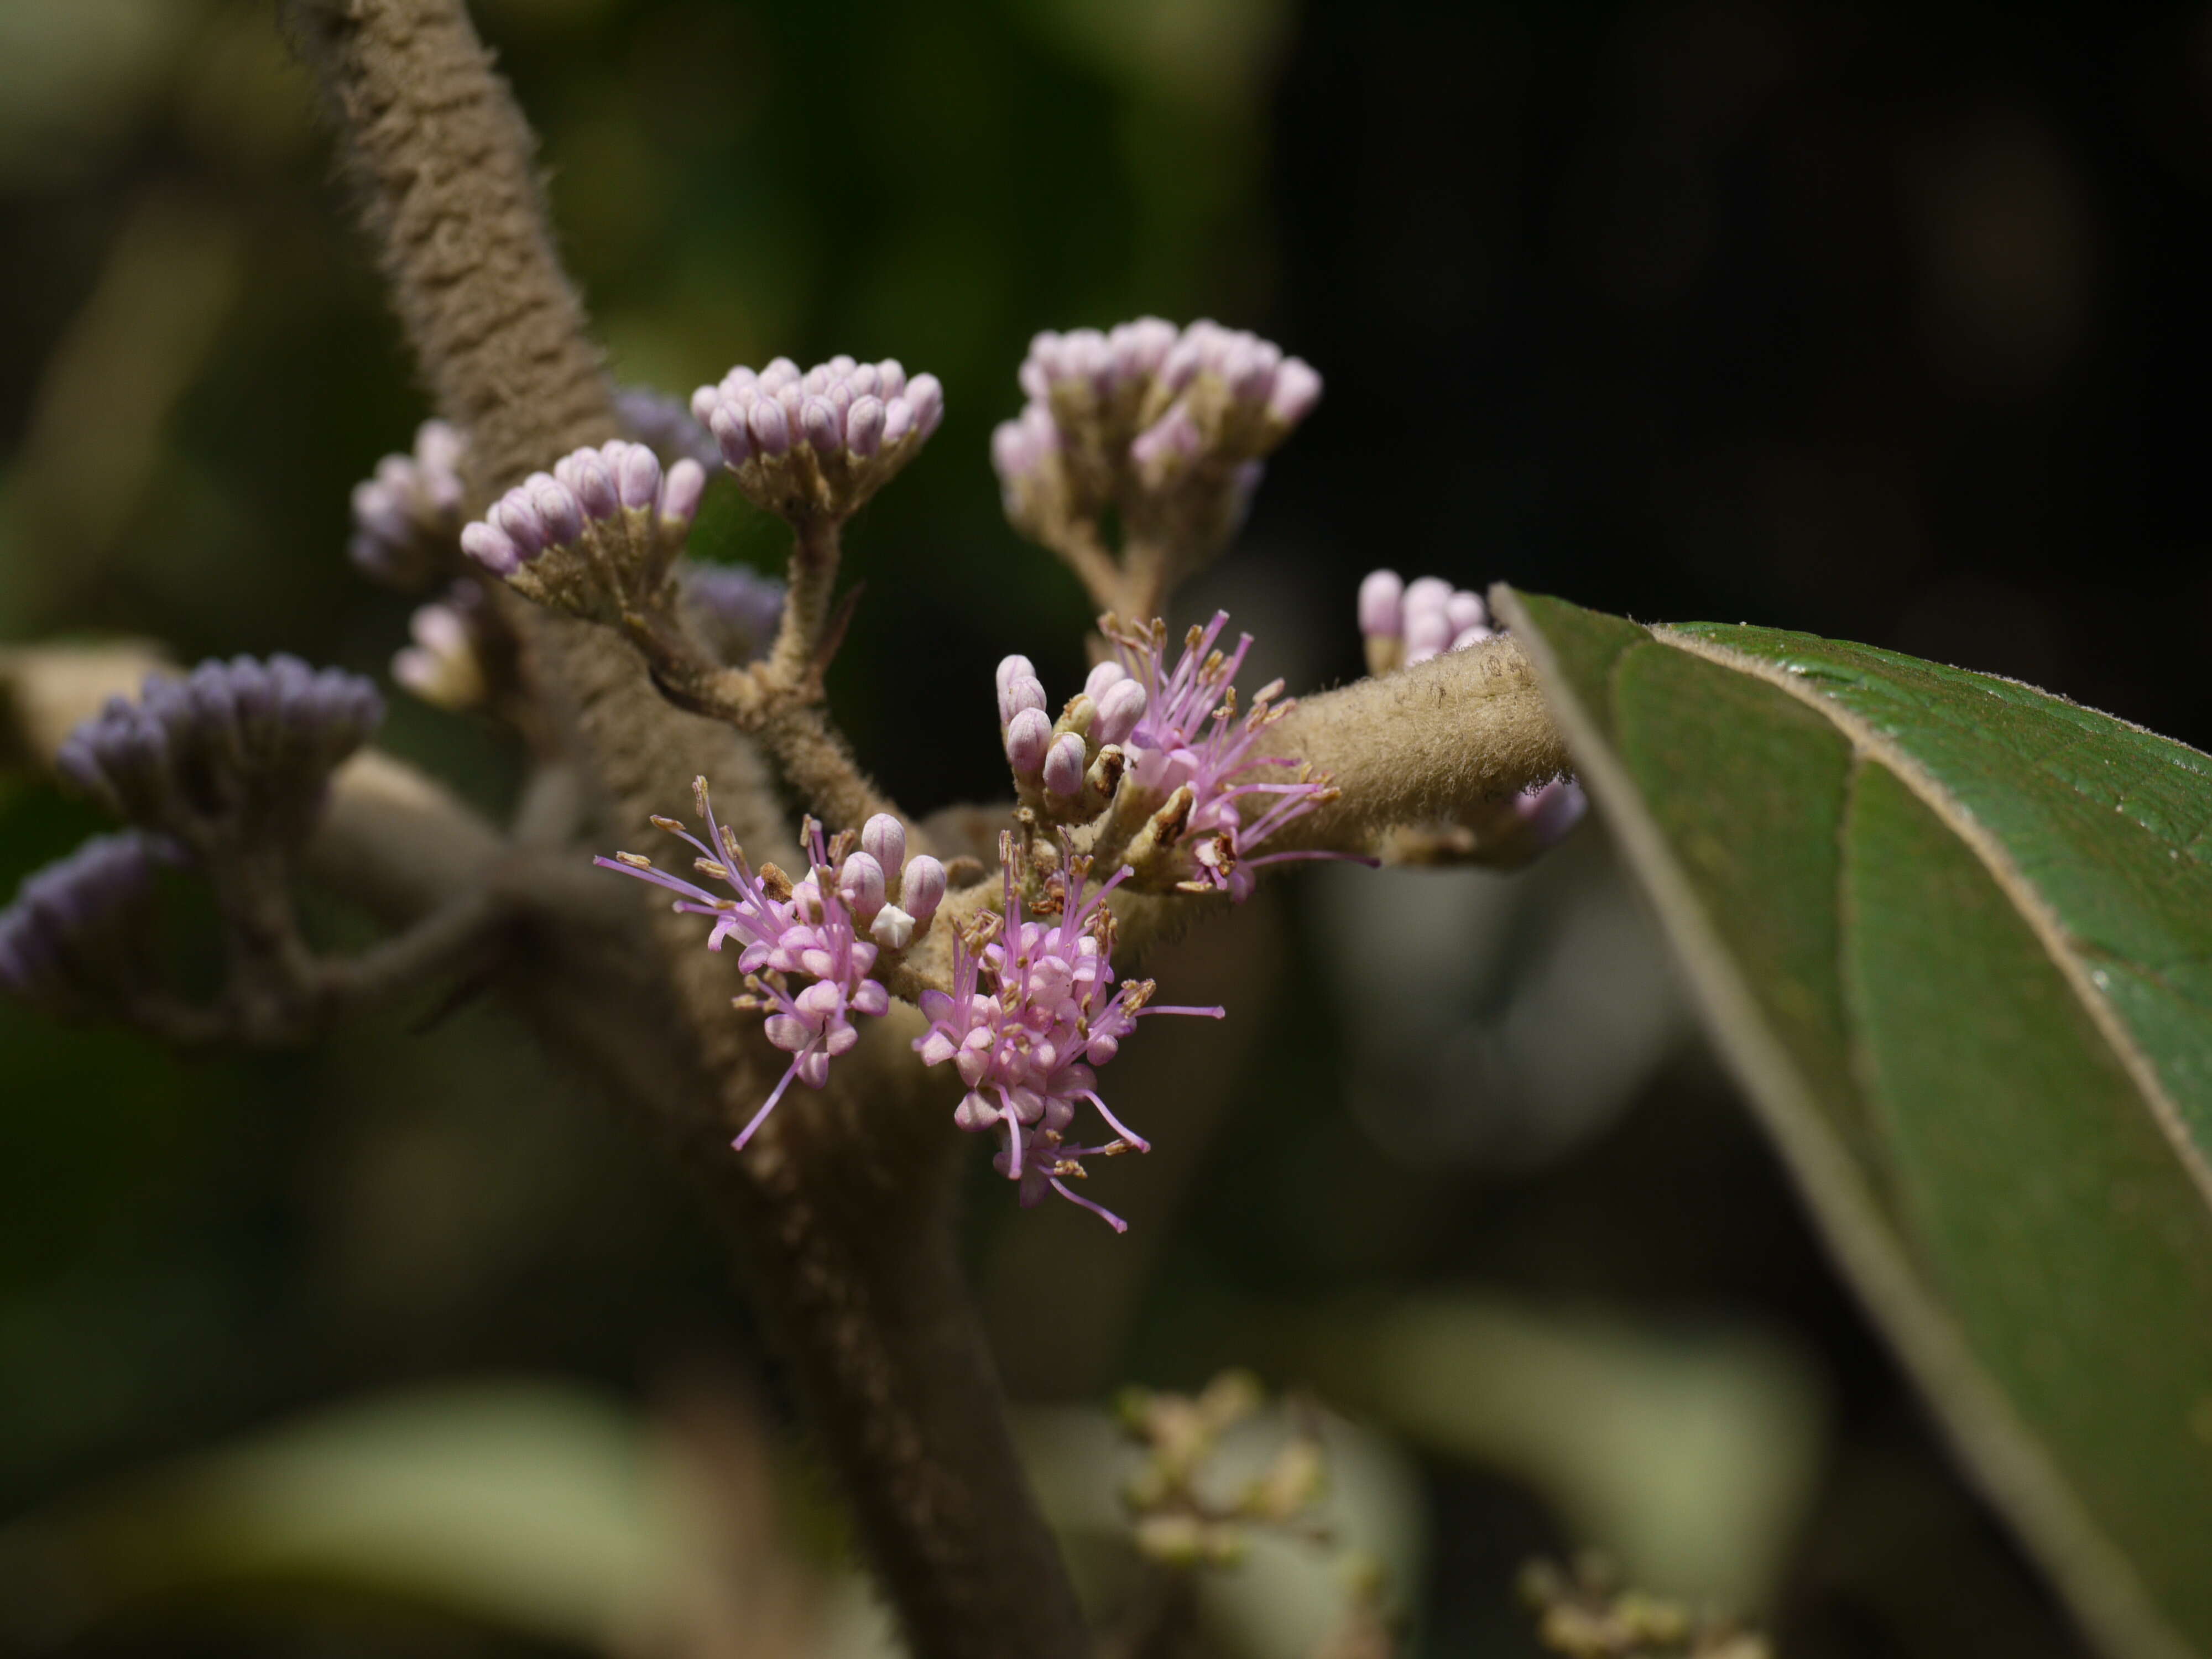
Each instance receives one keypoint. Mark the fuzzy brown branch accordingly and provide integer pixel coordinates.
(841, 1203)
(1427, 744)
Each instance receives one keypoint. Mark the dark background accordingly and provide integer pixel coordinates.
(1887, 327)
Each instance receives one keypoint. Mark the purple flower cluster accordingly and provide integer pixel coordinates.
(1033, 1010)
(74, 932)
(736, 609)
(1405, 623)
(821, 440)
(604, 523)
(1188, 749)
(806, 933)
(405, 516)
(237, 748)
(1139, 414)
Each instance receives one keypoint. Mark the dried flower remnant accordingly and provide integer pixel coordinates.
(814, 445)
(1586, 1614)
(75, 936)
(234, 751)
(1183, 1515)
(597, 536)
(407, 516)
(1032, 1011)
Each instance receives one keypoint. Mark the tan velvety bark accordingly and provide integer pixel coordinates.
(1420, 745)
(841, 1199)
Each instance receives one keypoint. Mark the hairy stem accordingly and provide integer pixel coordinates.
(1424, 744)
(857, 1269)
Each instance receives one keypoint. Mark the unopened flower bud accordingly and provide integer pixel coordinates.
(882, 837)
(1029, 734)
(770, 427)
(1107, 673)
(864, 425)
(680, 491)
(1381, 604)
(1297, 389)
(922, 888)
(1119, 711)
(1466, 610)
(1019, 693)
(1063, 766)
(860, 881)
(927, 398)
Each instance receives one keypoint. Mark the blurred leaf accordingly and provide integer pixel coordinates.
(1955, 935)
(1689, 1457)
(529, 1506)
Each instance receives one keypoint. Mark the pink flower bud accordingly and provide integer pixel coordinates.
(1428, 594)
(922, 889)
(1029, 734)
(1106, 674)
(1021, 692)
(1119, 711)
(860, 881)
(1465, 611)
(891, 377)
(1014, 667)
(517, 514)
(1297, 389)
(1174, 436)
(864, 425)
(882, 837)
(637, 476)
(817, 419)
(728, 422)
(927, 398)
(1063, 766)
(490, 546)
(585, 474)
(898, 420)
(680, 492)
(770, 426)
(1381, 604)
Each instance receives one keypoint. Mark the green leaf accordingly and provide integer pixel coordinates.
(1954, 935)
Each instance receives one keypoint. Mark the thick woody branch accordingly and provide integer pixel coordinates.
(839, 1201)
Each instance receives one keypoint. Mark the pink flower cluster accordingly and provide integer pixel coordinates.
(808, 931)
(1412, 622)
(842, 405)
(1189, 737)
(1033, 1010)
(587, 489)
